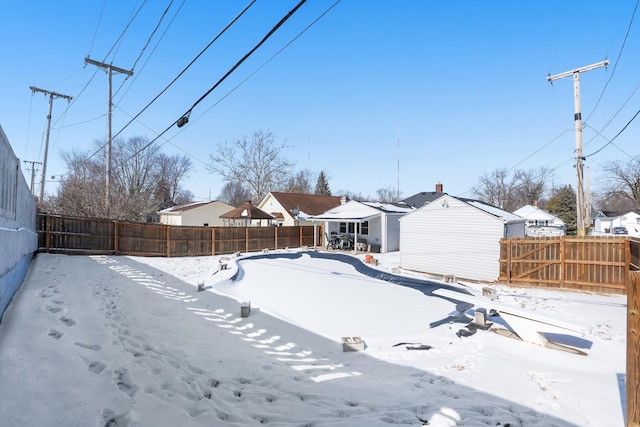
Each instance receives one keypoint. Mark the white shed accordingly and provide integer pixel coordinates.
(455, 236)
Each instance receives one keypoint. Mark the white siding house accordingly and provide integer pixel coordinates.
(201, 214)
(372, 223)
(460, 237)
(540, 222)
(630, 220)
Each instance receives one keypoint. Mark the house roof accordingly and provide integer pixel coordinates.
(247, 211)
(310, 204)
(354, 211)
(534, 213)
(185, 207)
(420, 199)
(477, 204)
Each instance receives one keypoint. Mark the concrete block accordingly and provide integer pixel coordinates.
(245, 309)
(352, 344)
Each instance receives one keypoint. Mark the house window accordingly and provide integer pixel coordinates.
(206, 224)
(350, 227)
(364, 228)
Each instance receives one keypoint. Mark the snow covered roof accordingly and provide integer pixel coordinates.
(534, 213)
(507, 216)
(360, 211)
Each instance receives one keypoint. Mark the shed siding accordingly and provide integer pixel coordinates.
(458, 239)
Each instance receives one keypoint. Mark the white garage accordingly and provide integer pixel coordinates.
(456, 236)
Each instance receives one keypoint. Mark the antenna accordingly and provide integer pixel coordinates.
(398, 188)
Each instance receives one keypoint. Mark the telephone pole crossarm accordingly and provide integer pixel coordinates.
(604, 63)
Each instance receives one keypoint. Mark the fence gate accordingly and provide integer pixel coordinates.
(593, 263)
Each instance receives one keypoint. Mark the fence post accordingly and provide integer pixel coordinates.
(47, 236)
(509, 266)
(275, 237)
(300, 233)
(115, 237)
(213, 241)
(168, 230)
(563, 260)
(633, 349)
(246, 239)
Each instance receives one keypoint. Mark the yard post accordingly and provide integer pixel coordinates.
(563, 261)
(213, 241)
(47, 236)
(168, 231)
(633, 349)
(246, 239)
(115, 237)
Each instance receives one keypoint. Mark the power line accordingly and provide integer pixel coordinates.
(124, 30)
(135, 78)
(615, 65)
(187, 67)
(95, 34)
(184, 119)
(617, 135)
(270, 59)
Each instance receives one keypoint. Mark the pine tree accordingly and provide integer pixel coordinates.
(563, 205)
(322, 185)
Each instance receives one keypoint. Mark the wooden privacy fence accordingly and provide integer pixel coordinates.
(72, 235)
(593, 263)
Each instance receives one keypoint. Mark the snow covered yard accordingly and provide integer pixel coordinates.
(129, 341)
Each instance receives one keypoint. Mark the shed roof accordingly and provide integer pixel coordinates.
(247, 211)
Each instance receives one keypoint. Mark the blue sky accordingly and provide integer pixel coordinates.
(453, 90)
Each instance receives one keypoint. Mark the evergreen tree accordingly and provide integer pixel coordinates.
(322, 185)
(563, 205)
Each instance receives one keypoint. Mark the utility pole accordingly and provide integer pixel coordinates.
(46, 139)
(580, 204)
(33, 170)
(110, 69)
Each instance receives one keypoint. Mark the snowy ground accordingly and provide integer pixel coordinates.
(128, 341)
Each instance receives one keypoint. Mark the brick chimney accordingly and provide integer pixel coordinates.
(439, 187)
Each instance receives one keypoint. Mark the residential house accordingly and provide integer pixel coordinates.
(540, 222)
(247, 215)
(205, 214)
(296, 208)
(458, 237)
(605, 223)
(374, 225)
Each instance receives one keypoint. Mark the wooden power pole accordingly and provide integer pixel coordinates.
(110, 69)
(33, 171)
(46, 139)
(580, 204)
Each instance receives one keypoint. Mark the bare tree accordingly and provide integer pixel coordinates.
(256, 163)
(625, 179)
(234, 194)
(511, 191)
(301, 182)
(387, 195)
(142, 178)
